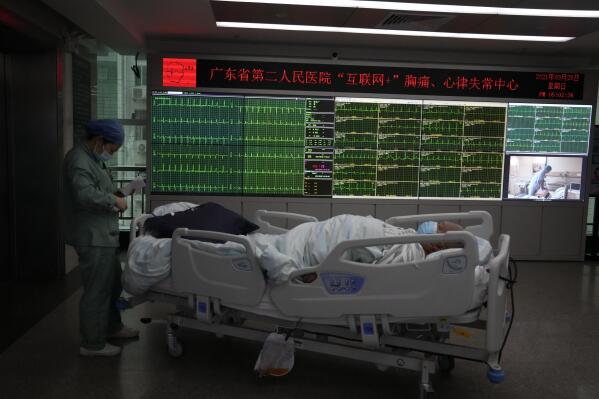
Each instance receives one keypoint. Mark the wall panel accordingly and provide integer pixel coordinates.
(363, 209)
(523, 224)
(560, 236)
(385, 211)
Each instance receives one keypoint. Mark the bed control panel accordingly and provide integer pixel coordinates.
(242, 265)
(454, 265)
(342, 283)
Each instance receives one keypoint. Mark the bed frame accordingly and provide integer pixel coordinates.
(392, 315)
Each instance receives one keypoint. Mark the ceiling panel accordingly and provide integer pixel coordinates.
(129, 25)
(173, 17)
(538, 26)
(557, 4)
(280, 14)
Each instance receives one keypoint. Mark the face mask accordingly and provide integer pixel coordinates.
(428, 227)
(105, 156)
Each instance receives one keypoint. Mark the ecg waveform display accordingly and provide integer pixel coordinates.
(197, 144)
(370, 147)
(544, 128)
(274, 146)
(418, 149)
(228, 144)
(462, 150)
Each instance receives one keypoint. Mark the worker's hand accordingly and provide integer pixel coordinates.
(121, 203)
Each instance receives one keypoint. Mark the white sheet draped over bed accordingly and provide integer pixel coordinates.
(279, 255)
(309, 244)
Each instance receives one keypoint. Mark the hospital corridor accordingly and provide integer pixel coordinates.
(289, 199)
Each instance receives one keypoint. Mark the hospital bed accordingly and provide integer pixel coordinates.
(392, 315)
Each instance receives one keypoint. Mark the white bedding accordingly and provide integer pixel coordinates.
(279, 255)
(310, 243)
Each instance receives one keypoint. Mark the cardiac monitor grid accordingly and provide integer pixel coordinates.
(274, 146)
(548, 129)
(256, 145)
(197, 144)
(228, 145)
(430, 150)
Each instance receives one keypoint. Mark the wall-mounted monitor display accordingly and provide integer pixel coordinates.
(214, 144)
(324, 146)
(407, 148)
(545, 177)
(225, 144)
(548, 128)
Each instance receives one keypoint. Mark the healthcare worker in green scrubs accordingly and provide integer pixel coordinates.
(91, 213)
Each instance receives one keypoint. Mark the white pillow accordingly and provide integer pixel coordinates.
(173, 207)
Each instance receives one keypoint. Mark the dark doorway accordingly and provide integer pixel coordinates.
(6, 262)
(30, 153)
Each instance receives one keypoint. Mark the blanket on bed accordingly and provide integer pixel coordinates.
(306, 245)
(280, 255)
(310, 243)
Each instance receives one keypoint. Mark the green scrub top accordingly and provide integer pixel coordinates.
(91, 217)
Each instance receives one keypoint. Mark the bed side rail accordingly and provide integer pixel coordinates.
(428, 287)
(181, 232)
(497, 295)
(266, 227)
(483, 229)
(234, 278)
(463, 237)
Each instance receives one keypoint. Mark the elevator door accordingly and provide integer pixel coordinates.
(5, 222)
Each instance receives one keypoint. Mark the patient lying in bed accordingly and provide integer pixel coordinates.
(310, 243)
(301, 247)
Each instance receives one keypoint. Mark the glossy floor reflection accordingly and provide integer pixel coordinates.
(552, 353)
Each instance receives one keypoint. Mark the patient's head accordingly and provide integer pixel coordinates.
(445, 226)
(430, 227)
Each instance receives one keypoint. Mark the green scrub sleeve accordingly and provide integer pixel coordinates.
(87, 194)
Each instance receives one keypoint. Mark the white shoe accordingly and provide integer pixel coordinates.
(107, 350)
(126, 332)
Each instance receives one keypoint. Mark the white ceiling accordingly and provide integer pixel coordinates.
(189, 25)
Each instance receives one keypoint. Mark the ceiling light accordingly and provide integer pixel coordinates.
(313, 28)
(423, 7)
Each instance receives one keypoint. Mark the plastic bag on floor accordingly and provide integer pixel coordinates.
(276, 357)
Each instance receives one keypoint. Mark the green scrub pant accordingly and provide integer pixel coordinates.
(98, 314)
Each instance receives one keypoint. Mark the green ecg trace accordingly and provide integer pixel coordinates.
(227, 144)
(376, 148)
(456, 141)
(232, 144)
(197, 144)
(536, 128)
(410, 150)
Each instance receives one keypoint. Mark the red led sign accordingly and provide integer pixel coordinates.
(370, 79)
(179, 72)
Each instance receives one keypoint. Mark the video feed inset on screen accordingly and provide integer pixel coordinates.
(544, 178)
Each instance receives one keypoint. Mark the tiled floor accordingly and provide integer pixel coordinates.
(552, 353)
(23, 304)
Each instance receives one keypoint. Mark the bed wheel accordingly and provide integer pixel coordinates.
(427, 392)
(175, 349)
(446, 364)
(496, 375)
(382, 367)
